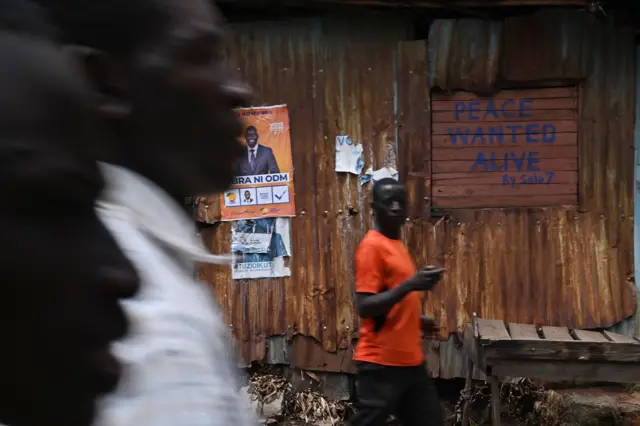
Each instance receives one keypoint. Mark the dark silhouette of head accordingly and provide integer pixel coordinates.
(251, 136)
(164, 89)
(389, 204)
(62, 272)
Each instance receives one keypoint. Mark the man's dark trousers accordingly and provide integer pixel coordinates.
(408, 393)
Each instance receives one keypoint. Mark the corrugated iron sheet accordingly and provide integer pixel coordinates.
(553, 266)
(332, 87)
(631, 326)
(546, 46)
(464, 54)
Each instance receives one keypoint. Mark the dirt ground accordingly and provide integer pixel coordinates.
(592, 406)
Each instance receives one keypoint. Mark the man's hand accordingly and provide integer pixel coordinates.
(430, 326)
(425, 279)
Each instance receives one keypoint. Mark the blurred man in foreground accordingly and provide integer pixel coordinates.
(392, 377)
(62, 272)
(166, 100)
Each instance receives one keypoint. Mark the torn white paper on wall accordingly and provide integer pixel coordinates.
(349, 158)
(261, 246)
(376, 175)
(250, 242)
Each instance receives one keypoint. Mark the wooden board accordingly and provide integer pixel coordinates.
(619, 338)
(508, 201)
(549, 92)
(510, 146)
(560, 334)
(472, 348)
(574, 350)
(518, 140)
(523, 331)
(502, 190)
(538, 104)
(492, 329)
(505, 130)
(489, 178)
(503, 156)
(568, 371)
(590, 336)
(560, 164)
(537, 115)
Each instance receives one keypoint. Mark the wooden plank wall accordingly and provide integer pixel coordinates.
(518, 148)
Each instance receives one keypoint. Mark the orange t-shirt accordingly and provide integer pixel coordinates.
(381, 264)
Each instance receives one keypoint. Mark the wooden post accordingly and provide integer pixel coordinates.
(466, 394)
(495, 400)
(474, 325)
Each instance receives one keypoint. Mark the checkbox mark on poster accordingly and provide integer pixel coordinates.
(281, 195)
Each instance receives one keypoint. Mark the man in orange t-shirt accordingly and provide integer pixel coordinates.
(392, 377)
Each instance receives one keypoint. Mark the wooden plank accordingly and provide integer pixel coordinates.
(492, 178)
(507, 129)
(556, 350)
(488, 117)
(523, 331)
(459, 153)
(568, 371)
(495, 400)
(489, 140)
(472, 349)
(492, 329)
(547, 92)
(550, 165)
(501, 190)
(466, 395)
(590, 336)
(503, 202)
(560, 334)
(570, 103)
(619, 338)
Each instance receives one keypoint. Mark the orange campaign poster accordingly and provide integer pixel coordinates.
(263, 186)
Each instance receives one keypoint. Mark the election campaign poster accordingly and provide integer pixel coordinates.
(261, 248)
(263, 186)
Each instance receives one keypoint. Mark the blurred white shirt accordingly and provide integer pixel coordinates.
(178, 365)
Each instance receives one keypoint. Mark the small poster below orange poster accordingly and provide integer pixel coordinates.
(263, 186)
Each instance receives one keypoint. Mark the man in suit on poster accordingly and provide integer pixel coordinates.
(258, 159)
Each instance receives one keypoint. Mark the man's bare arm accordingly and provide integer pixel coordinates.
(371, 305)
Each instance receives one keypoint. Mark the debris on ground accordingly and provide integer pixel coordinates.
(600, 406)
(519, 397)
(525, 403)
(274, 399)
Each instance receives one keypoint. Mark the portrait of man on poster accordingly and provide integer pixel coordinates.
(258, 159)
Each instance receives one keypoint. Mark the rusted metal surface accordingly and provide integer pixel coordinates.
(414, 125)
(546, 45)
(335, 80)
(308, 354)
(554, 266)
(464, 54)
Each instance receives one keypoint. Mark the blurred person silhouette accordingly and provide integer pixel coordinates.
(62, 271)
(161, 87)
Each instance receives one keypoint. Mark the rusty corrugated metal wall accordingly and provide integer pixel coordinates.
(554, 266)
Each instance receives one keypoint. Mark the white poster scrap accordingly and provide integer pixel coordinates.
(349, 158)
(261, 246)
